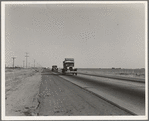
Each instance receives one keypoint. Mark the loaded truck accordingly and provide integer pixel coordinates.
(54, 68)
(68, 65)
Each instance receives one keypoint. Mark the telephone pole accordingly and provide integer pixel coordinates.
(26, 59)
(34, 63)
(23, 64)
(13, 61)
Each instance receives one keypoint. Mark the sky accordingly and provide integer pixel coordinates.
(95, 35)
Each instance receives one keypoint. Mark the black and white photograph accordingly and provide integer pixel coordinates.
(74, 60)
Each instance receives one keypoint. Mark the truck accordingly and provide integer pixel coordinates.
(54, 68)
(68, 65)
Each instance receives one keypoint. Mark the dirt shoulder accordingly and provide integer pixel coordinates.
(21, 91)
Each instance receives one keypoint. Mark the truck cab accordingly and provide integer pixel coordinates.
(68, 64)
(54, 68)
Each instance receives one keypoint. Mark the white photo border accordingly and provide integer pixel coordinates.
(145, 117)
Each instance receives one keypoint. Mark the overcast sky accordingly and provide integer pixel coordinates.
(95, 35)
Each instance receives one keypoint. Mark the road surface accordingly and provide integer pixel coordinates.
(58, 96)
(129, 95)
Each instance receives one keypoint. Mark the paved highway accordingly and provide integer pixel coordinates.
(58, 96)
(129, 95)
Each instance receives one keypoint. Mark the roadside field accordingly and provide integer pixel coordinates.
(137, 73)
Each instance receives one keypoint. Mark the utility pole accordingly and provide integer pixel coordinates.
(34, 63)
(13, 61)
(26, 59)
(23, 64)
